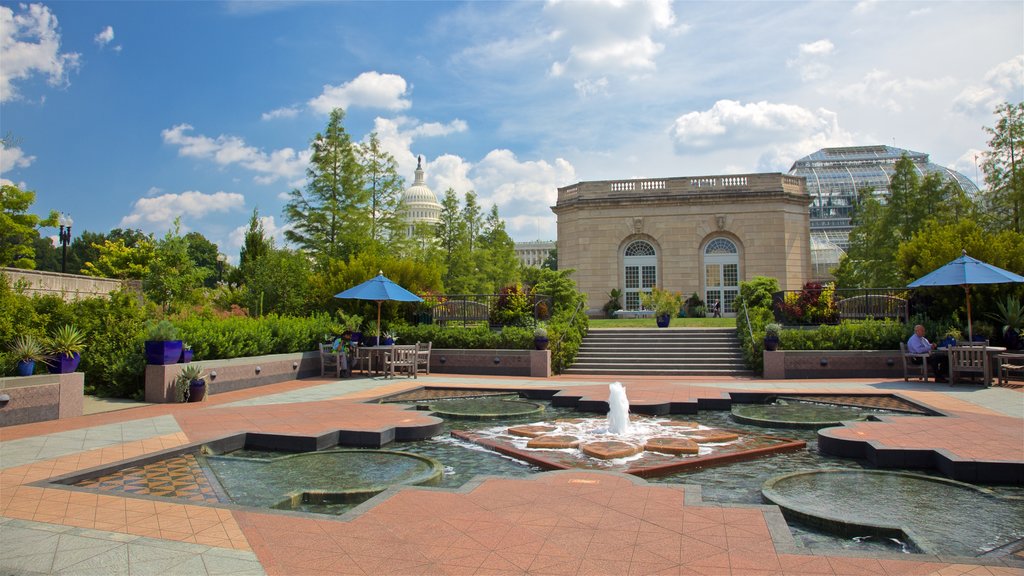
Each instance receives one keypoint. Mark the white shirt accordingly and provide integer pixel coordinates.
(919, 345)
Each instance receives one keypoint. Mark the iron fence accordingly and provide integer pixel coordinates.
(847, 304)
(494, 310)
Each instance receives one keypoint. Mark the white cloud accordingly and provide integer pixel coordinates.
(13, 157)
(1004, 82)
(810, 59)
(608, 38)
(588, 87)
(157, 213)
(106, 36)
(30, 44)
(784, 131)
(286, 112)
(369, 90)
(522, 187)
(227, 150)
(449, 171)
(969, 164)
(865, 6)
(880, 88)
(398, 134)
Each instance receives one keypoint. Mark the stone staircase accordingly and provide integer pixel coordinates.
(660, 352)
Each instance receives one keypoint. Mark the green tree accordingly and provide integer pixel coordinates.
(278, 283)
(496, 253)
(117, 260)
(19, 229)
(384, 187)
(204, 255)
(173, 278)
(256, 243)
(551, 262)
(331, 217)
(1004, 169)
(452, 240)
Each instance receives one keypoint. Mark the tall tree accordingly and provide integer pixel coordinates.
(472, 217)
(204, 255)
(331, 217)
(19, 229)
(115, 259)
(496, 253)
(451, 238)
(384, 187)
(173, 278)
(256, 244)
(1004, 169)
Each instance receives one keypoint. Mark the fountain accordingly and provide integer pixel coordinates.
(618, 409)
(647, 446)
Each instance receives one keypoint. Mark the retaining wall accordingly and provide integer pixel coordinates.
(795, 364)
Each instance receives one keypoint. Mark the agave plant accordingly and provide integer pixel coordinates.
(66, 340)
(27, 349)
(1010, 314)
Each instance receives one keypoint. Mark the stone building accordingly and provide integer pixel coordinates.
(701, 234)
(534, 253)
(419, 202)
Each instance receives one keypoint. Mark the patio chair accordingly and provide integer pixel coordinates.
(330, 360)
(970, 360)
(398, 359)
(423, 356)
(909, 365)
(1007, 363)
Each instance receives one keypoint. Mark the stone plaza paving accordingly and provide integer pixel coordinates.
(566, 522)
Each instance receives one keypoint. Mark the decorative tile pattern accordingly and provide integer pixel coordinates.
(179, 477)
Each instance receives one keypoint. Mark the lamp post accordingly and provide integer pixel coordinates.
(65, 223)
(220, 267)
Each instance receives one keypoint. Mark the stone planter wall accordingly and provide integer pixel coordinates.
(40, 398)
(795, 364)
(531, 363)
(233, 374)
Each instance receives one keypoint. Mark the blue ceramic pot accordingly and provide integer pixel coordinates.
(26, 367)
(163, 352)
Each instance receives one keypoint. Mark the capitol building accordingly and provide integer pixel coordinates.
(419, 203)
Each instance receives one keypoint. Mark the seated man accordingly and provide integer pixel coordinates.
(918, 344)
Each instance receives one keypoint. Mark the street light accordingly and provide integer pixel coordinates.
(65, 223)
(220, 267)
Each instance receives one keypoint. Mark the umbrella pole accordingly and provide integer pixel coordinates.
(970, 331)
(378, 318)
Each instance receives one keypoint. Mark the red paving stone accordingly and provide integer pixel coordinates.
(553, 523)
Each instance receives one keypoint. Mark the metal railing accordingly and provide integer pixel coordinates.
(494, 310)
(557, 348)
(850, 303)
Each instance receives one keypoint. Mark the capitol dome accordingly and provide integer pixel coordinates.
(419, 202)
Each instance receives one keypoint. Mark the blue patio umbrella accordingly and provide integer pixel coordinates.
(379, 289)
(965, 271)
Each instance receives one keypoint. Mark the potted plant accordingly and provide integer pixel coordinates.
(162, 343)
(65, 346)
(771, 336)
(950, 338)
(371, 336)
(1010, 313)
(186, 353)
(540, 338)
(390, 337)
(28, 351)
(664, 303)
(190, 384)
(695, 307)
(613, 304)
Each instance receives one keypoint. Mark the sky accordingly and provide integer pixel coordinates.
(130, 114)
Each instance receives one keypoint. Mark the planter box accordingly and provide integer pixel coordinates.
(163, 352)
(63, 364)
(42, 397)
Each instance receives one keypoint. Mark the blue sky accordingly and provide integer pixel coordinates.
(129, 114)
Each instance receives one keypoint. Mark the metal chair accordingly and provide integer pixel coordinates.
(972, 360)
(909, 365)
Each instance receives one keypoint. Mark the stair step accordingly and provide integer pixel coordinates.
(660, 351)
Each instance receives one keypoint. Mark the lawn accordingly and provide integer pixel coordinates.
(598, 323)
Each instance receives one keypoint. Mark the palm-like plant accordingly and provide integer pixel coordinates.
(1010, 313)
(66, 340)
(27, 349)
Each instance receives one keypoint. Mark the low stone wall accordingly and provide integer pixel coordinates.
(233, 374)
(67, 286)
(240, 373)
(40, 398)
(795, 364)
(531, 363)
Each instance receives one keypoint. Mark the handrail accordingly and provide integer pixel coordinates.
(572, 321)
(747, 318)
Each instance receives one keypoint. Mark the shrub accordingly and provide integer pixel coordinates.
(512, 307)
(812, 305)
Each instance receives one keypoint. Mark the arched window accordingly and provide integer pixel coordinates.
(721, 275)
(640, 263)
